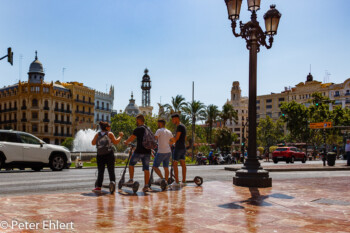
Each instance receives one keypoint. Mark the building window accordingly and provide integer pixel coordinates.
(268, 106)
(281, 99)
(269, 101)
(35, 103)
(269, 114)
(46, 129)
(98, 104)
(257, 107)
(108, 106)
(258, 102)
(34, 115)
(77, 97)
(34, 128)
(237, 129)
(103, 105)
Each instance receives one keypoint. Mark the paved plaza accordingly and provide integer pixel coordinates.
(294, 205)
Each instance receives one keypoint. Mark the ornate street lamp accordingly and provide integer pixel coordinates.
(252, 174)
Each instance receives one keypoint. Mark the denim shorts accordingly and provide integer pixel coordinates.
(179, 154)
(143, 157)
(162, 157)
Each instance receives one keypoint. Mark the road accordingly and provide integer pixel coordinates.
(82, 180)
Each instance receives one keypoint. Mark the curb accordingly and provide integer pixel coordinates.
(297, 169)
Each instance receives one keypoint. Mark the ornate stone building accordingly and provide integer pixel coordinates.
(37, 107)
(104, 105)
(269, 105)
(83, 105)
(132, 109)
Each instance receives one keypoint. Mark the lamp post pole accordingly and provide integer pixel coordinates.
(252, 174)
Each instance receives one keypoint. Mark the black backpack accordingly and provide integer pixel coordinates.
(104, 144)
(149, 141)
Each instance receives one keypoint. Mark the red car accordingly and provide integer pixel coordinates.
(288, 154)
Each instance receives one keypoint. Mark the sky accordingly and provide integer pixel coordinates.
(111, 42)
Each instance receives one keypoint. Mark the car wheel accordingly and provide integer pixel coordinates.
(57, 163)
(292, 160)
(303, 160)
(287, 160)
(2, 162)
(275, 160)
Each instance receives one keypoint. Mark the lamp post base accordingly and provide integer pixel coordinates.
(252, 178)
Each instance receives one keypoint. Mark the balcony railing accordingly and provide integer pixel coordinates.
(46, 120)
(85, 113)
(24, 107)
(84, 102)
(46, 108)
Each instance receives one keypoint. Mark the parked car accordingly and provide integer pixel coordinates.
(23, 150)
(288, 154)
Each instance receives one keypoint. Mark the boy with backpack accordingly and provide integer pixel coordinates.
(105, 154)
(145, 142)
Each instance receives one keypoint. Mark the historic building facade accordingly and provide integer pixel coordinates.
(50, 111)
(132, 109)
(37, 107)
(104, 105)
(83, 101)
(269, 105)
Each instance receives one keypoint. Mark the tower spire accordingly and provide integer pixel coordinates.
(36, 55)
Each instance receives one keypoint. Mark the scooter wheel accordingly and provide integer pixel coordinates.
(170, 180)
(120, 183)
(163, 185)
(112, 187)
(198, 180)
(135, 187)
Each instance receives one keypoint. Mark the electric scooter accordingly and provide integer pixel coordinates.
(197, 180)
(162, 183)
(135, 186)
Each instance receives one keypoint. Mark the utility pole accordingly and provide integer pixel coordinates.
(193, 118)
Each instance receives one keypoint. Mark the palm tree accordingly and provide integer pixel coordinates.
(177, 104)
(195, 111)
(212, 113)
(228, 113)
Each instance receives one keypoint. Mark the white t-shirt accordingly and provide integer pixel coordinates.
(164, 135)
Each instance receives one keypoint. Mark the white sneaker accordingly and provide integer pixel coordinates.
(174, 185)
(183, 183)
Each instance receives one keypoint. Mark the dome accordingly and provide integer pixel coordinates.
(132, 109)
(36, 66)
(309, 78)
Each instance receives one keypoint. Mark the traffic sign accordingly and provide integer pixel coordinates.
(321, 125)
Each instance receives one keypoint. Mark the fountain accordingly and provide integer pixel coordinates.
(82, 141)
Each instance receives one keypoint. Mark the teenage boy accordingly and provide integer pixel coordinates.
(179, 151)
(141, 153)
(163, 136)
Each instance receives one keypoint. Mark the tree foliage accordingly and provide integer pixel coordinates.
(269, 133)
(228, 113)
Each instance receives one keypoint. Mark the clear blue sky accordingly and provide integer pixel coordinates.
(179, 41)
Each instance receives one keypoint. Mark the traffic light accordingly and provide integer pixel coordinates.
(10, 56)
(316, 103)
(242, 143)
(283, 114)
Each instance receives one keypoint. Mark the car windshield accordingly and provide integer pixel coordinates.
(281, 149)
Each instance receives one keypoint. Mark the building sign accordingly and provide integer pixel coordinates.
(321, 125)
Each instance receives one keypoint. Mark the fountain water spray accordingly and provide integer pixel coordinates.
(83, 139)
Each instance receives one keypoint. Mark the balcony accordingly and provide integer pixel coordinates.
(46, 108)
(24, 120)
(24, 108)
(336, 95)
(84, 102)
(46, 120)
(85, 113)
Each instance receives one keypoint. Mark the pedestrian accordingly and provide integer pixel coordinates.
(105, 154)
(179, 151)
(347, 151)
(141, 153)
(163, 154)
